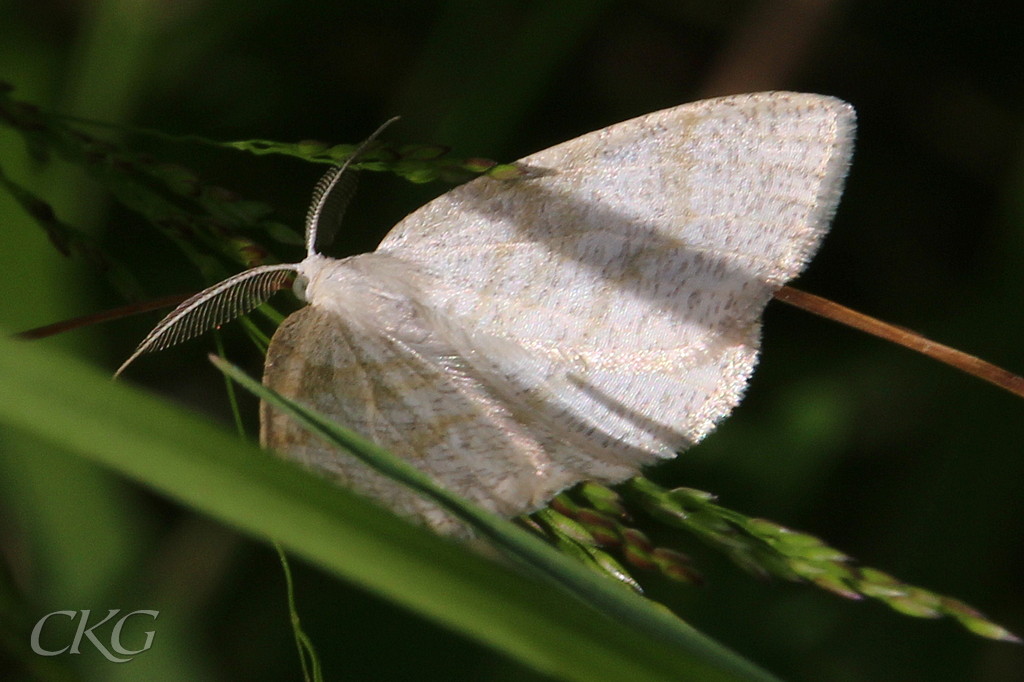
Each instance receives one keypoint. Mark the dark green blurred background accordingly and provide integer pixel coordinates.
(907, 465)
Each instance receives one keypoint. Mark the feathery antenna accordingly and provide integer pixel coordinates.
(211, 307)
(331, 196)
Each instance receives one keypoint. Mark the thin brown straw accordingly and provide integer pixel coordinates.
(823, 307)
(95, 318)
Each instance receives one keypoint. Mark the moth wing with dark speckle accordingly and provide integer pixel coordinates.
(647, 250)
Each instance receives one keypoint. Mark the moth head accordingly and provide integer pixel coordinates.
(308, 274)
(299, 287)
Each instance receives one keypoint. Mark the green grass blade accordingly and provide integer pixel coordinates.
(610, 597)
(183, 456)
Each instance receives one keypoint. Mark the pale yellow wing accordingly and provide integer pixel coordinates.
(643, 254)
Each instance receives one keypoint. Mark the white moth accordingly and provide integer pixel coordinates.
(514, 337)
